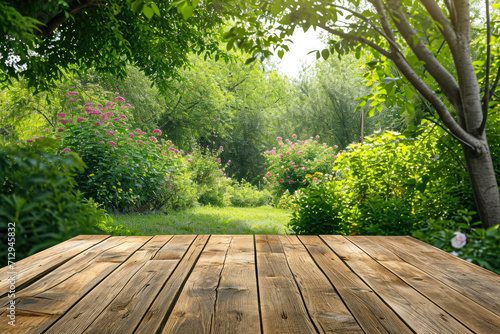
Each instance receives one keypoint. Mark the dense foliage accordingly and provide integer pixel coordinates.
(39, 197)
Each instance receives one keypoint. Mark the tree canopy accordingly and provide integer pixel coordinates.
(46, 38)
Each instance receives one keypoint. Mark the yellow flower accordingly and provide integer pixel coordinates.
(119, 184)
(130, 189)
(119, 197)
(120, 190)
(91, 174)
(114, 187)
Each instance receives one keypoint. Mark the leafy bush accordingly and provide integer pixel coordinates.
(207, 173)
(481, 246)
(389, 185)
(245, 195)
(128, 170)
(38, 195)
(291, 162)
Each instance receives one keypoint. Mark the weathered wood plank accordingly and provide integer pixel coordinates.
(129, 306)
(326, 308)
(39, 264)
(422, 315)
(194, 309)
(156, 315)
(457, 305)
(56, 292)
(237, 305)
(282, 308)
(372, 314)
(81, 316)
(474, 282)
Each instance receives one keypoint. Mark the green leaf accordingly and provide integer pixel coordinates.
(281, 53)
(250, 60)
(148, 12)
(325, 53)
(155, 8)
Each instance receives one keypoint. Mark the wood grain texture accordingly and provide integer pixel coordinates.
(80, 317)
(39, 264)
(58, 291)
(421, 314)
(237, 305)
(372, 314)
(131, 303)
(282, 308)
(194, 309)
(474, 282)
(157, 314)
(450, 300)
(324, 305)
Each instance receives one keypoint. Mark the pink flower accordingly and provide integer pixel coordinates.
(125, 156)
(30, 140)
(99, 105)
(290, 182)
(72, 100)
(123, 116)
(153, 139)
(58, 136)
(110, 132)
(287, 153)
(158, 131)
(268, 173)
(46, 129)
(101, 142)
(116, 119)
(335, 146)
(221, 148)
(300, 152)
(61, 115)
(279, 138)
(201, 172)
(281, 155)
(459, 240)
(125, 162)
(88, 104)
(189, 160)
(66, 150)
(60, 130)
(131, 134)
(112, 143)
(79, 119)
(275, 181)
(229, 161)
(282, 181)
(105, 117)
(317, 136)
(294, 136)
(303, 168)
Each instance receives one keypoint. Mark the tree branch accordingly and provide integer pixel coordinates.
(356, 38)
(56, 21)
(433, 66)
(486, 97)
(438, 16)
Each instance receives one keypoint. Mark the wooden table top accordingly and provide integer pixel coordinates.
(247, 284)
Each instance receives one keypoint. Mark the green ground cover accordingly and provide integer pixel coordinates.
(209, 220)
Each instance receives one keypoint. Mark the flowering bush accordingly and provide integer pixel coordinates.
(246, 195)
(127, 169)
(464, 238)
(291, 162)
(389, 185)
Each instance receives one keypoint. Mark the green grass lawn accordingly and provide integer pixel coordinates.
(209, 220)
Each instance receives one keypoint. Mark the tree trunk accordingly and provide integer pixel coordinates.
(484, 185)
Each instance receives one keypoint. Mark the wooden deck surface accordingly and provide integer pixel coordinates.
(247, 284)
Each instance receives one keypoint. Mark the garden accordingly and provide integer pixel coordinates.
(212, 139)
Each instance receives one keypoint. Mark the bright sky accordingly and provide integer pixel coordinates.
(303, 43)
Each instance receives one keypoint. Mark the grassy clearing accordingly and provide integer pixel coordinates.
(209, 220)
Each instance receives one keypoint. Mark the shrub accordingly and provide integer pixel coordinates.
(38, 195)
(481, 246)
(389, 185)
(128, 170)
(292, 161)
(208, 174)
(245, 195)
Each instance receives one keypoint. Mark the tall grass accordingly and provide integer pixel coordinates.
(209, 220)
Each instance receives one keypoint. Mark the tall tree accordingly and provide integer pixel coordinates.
(419, 38)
